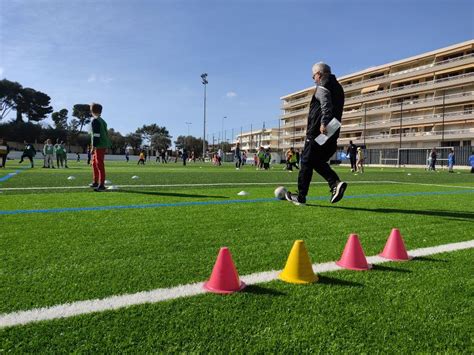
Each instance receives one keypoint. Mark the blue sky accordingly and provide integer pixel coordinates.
(143, 59)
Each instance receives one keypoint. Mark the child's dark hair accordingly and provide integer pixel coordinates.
(96, 108)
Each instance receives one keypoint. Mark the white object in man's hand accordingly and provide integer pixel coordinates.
(330, 129)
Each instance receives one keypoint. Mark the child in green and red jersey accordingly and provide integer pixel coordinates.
(99, 144)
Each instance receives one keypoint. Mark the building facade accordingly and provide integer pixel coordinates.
(418, 102)
(263, 137)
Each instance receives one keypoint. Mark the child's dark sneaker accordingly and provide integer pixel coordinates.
(100, 188)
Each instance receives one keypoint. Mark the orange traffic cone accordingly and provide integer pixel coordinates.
(353, 257)
(395, 247)
(224, 277)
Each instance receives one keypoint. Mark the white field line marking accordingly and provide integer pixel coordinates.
(183, 185)
(158, 295)
(436, 185)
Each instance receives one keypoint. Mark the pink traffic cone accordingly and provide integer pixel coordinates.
(353, 257)
(224, 277)
(395, 248)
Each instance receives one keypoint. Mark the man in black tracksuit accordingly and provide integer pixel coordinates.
(352, 152)
(327, 103)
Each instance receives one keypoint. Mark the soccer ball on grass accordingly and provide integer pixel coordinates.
(280, 192)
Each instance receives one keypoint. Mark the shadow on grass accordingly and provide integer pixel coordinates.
(377, 267)
(259, 290)
(461, 216)
(173, 194)
(325, 280)
(433, 260)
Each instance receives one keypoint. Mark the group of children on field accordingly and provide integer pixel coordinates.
(264, 158)
(50, 150)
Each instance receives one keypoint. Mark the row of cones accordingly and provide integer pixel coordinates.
(225, 278)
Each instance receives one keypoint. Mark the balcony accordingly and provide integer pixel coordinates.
(413, 104)
(297, 123)
(303, 111)
(450, 116)
(306, 99)
(424, 69)
(428, 85)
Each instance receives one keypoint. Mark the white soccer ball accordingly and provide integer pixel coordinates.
(71, 178)
(280, 192)
(135, 177)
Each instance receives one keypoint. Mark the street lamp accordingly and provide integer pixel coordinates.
(204, 82)
(222, 133)
(188, 123)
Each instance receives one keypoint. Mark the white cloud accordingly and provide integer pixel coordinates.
(106, 79)
(1, 71)
(99, 79)
(231, 94)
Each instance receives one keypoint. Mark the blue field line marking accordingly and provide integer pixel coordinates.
(10, 175)
(225, 202)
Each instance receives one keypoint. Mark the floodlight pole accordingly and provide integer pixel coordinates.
(188, 123)
(400, 145)
(222, 133)
(204, 82)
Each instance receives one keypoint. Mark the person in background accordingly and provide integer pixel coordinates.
(471, 161)
(261, 157)
(267, 159)
(352, 153)
(433, 156)
(298, 157)
(141, 158)
(78, 157)
(219, 156)
(244, 157)
(184, 156)
(451, 160)
(360, 160)
(237, 156)
(58, 150)
(28, 152)
(48, 151)
(63, 145)
(4, 150)
(291, 159)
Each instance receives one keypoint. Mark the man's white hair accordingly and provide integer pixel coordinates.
(322, 68)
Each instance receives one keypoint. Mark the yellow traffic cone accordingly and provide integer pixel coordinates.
(298, 268)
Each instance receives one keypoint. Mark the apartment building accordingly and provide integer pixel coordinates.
(418, 102)
(263, 137)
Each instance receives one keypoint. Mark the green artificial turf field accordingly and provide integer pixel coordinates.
(64, 243)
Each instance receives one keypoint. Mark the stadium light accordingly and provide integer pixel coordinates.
(188, 123)
(204, 82)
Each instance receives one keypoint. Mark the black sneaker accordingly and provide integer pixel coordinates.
(295, 199)
(100, 188)
(94, 185)
(337, 192)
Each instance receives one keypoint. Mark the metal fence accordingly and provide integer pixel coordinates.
(407, 156)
